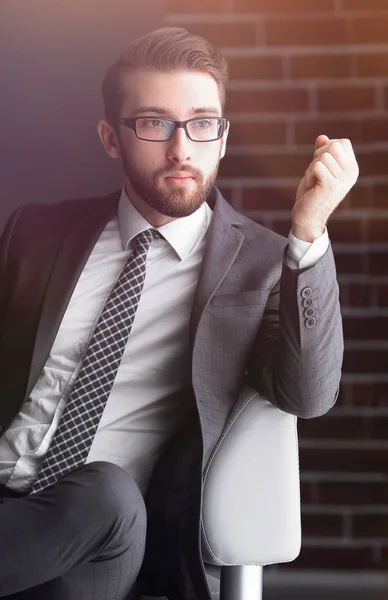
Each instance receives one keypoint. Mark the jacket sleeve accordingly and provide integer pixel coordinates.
(297, 356)
(5, 244)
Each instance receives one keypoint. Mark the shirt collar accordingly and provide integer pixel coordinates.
(182, 234)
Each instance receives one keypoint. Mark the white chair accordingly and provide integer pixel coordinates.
(251, 503)
(251, 500)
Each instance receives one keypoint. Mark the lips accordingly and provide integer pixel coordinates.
(180, 175)
(180, 180)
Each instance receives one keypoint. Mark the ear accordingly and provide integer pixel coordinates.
(223, 140)
(109, 139)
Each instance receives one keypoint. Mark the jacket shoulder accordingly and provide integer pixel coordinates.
(59, 211)
(39, 228)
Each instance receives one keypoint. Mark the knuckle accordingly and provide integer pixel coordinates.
(326, 155)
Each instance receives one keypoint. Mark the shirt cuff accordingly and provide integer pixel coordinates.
(302, 255)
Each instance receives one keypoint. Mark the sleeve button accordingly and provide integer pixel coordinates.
(306, 292)
(308, 312)
(310, 323)
(307, 302)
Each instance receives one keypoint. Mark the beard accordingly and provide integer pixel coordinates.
(178, 202)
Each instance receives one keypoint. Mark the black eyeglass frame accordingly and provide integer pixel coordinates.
(130, 122)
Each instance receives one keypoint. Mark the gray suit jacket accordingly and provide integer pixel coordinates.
(249, 322)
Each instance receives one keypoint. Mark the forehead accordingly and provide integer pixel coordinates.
(179, 93)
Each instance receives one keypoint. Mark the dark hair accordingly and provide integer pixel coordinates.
(165, 49)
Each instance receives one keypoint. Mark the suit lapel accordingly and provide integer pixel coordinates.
(83, 232)
(224, 240)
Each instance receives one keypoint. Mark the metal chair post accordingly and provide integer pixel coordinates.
(241, 583)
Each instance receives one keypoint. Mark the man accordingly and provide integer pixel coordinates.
(132, 320)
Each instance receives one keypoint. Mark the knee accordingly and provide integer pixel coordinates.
(114, 498)
(116, 490)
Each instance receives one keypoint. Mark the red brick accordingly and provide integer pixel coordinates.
(360, 394)
(378, 262)
(199, 6)
(268, 100)
(361, 196)
(354, 460)
(365, 361)
(257, 133)
(307, 492)
(363, 5)
(382, 294)
(264, 165)
(268, 198)
(373, 163)
(351, 493)
(343, 427)
(349, 263)
(380, 195)
(376, 427)
(282, 227)
(314, 32)
(335, 558)
(322, 525)
(366, 328)
(343, 230)
(368, 394)
(307, 131)
(283, 6)
(268, 67)
(336, 99)
(327, 427)
(385, 556)
(374, 130)
(378, 230)
(366, 130)
(372, 65)
(317, 66)
(343, 394)
(226, 192)
(371, 525)
(369, 30)
(356, 294)
(226, 34)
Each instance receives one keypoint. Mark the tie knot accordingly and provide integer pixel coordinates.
(144, 239)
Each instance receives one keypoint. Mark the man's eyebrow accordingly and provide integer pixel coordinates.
(201, 110)
(207, 110)
(151, 109)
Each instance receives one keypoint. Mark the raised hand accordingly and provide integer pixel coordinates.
(329, 177)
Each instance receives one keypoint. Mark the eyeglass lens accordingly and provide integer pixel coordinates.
(200, 130)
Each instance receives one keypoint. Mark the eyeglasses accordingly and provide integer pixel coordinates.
(152, 129)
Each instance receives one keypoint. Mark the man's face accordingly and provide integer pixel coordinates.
(172, 177)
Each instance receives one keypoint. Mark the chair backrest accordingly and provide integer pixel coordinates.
(251, 502)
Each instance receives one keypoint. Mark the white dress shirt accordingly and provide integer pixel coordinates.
(140, 414)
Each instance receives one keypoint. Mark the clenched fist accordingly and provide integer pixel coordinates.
(329, 177)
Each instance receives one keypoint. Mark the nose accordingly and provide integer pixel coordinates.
(179, 147)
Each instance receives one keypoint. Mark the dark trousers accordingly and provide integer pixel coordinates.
(82, 538)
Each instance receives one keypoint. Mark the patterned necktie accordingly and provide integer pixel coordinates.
(78, 425)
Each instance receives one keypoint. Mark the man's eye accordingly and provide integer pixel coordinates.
(202, 124)
(154, 123)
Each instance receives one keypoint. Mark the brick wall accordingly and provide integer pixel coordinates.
(300, 68)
